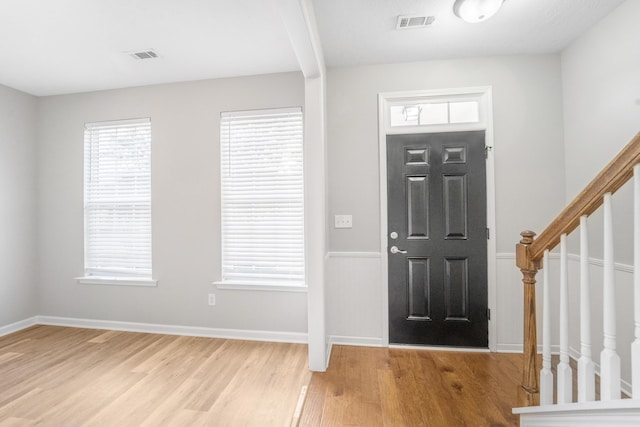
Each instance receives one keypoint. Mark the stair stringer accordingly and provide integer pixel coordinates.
(616, 413)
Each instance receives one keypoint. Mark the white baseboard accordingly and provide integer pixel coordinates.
(626, 387)
(355, 341)
(18, 326)
(328, 355)
(195, 331)
(517, 348)
(509, 348)
(198, 331)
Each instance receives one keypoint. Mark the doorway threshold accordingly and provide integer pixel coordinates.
(439, 348)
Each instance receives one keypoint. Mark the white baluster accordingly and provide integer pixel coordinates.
(635, 347)
(586, 368)
(609, 359)
(565, 392)
(546, 376)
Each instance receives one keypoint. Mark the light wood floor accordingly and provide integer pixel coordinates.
(392, 387)
(53, 376)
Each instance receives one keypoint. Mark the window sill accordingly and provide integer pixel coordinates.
(117, 281)
(248, 286)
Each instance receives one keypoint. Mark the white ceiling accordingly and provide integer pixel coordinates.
(66, 46)
(63, 46)
(363, 31)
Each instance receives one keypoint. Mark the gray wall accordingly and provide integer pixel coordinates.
(593, 84)
(17, 206)
(601, 94)
(601, 97)
(186, 204)
(528, 139)
(529, 172)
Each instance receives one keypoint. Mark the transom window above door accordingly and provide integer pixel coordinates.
(463, 109)
(435, 113)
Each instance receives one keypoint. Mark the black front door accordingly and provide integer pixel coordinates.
(437, 241)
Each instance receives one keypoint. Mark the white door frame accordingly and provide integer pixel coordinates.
(484, 95)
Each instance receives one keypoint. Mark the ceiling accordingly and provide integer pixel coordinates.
(52, 47)
(363, 31)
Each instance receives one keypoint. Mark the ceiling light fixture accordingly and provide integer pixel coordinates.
(474, 11)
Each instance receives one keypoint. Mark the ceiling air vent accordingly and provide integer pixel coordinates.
(144, 54)
(414, 21)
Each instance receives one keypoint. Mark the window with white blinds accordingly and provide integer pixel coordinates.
(262, 198)
(117, 199)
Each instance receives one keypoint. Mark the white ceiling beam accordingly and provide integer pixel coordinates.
(300, 22)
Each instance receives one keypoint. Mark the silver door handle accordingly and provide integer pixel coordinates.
(395, 250)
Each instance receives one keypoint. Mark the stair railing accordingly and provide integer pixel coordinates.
(533, 253)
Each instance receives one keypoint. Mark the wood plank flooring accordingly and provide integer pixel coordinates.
(54, 376)
(397, 387)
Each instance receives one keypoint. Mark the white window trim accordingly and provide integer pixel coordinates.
(116, 123)
(248, 113)
(117, 281)
(261, 286)
(247, 286)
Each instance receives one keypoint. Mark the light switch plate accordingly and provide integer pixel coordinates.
(343, 221)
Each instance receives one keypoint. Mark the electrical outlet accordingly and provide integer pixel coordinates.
(343, 221)
(212, 299)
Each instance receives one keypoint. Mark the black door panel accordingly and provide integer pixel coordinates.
(437, 206)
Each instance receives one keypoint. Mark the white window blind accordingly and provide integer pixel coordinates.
(117, 199)
(262, 197)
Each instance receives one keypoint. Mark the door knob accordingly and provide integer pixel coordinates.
(395, 250)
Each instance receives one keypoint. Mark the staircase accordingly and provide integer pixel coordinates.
(532, 255)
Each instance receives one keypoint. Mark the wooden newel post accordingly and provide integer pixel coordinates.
(530, 395)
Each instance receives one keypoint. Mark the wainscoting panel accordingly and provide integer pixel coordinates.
(354, 303)
(353, 298)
